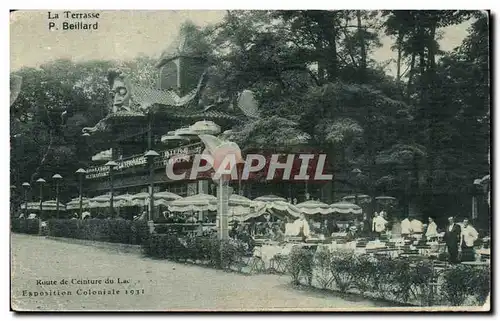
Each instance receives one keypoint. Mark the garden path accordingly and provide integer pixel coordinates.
(167, 285)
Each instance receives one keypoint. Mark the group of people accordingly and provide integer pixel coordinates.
(459, 237)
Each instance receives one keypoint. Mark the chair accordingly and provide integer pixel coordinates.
(278, 263)
(253, 261)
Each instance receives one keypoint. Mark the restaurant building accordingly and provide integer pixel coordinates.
(141, 116)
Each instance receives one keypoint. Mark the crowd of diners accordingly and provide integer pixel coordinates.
(459, 237)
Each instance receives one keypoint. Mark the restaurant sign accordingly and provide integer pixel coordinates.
(180, 154)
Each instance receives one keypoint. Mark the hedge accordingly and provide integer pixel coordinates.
(204, 250)
(115, 231)
(394, 279)
(27, 226)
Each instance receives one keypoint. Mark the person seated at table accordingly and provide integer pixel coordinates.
(406, 226)
(191, 219)
(396, 228)
(279, 236)
(352, 231)
(431, 233)
(379, 223)
(467, 238)
(170, 218)
(269, 232)
(303, 226)
(234, 229)
(416, 227)
(200, 231)
(365, 226)
(332, 226)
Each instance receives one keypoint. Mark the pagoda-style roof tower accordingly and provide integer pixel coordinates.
(182, 96)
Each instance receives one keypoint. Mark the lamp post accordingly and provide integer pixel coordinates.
(111, 164)
(80, 173)
(26, 186)
(57, 178)
(150, 156)
(41, 181)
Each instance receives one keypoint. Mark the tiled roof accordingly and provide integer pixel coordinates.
(205, 115)
(147, 97)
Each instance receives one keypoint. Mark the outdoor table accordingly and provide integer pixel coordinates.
(476, 263)
(268, 252)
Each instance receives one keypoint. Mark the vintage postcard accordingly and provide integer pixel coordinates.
(295, 160)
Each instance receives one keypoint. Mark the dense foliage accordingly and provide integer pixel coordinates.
(210, 251)
(25, 226)
(114, 231)
(421, 135)
(397, 280)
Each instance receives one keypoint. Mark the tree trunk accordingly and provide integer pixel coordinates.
(409, 86)
(362, 65)
(400, 54)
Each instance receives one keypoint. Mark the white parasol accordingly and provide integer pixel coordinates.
(164, 198)
(314, 207)
(346, 208)
(269, 198)
(195, 203)
(75, 203)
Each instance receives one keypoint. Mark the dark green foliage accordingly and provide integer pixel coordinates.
(115, 231)
(395, 279)
(462, 281)
(19, 225)
(209, 250)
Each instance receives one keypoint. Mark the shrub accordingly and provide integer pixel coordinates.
(391, 278)
(169, 246)
(322, 262)
(26, 226)
(460, 281)
(341, 268)
(300, 264)
(384, 278)
(116, 231)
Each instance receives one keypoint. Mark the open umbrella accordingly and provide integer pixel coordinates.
(100, 201)
(164, 198)
(386, 200)
(240, 207)
(124, 200)
(195, 203)
(314, 207)
(52, 206)
(31, 206)
(269, 198)
(281, 208)
(346, 208)
(75, 203)
(140, 199)
(361, 198)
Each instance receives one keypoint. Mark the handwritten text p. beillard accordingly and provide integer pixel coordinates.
(73, 21)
